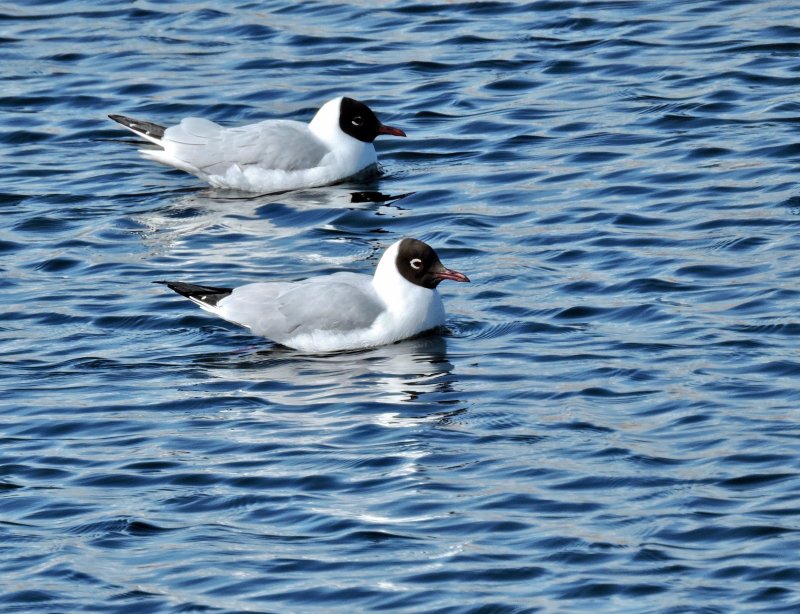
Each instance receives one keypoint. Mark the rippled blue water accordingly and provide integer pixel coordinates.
(611, 423)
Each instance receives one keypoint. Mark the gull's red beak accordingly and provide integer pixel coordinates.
(390, 130)
(450, 274)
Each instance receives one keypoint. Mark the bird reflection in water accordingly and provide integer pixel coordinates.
(414, 371)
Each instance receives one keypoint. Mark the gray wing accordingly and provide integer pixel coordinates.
(272, 144)
(338, 303)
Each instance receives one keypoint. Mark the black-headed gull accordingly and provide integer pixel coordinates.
(342, 311)
(273, 155)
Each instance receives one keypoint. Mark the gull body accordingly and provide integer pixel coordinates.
(342, 311)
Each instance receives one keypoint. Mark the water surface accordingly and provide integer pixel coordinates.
(610, 421)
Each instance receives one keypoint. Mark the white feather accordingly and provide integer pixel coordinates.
(342, 311)
(269, 156)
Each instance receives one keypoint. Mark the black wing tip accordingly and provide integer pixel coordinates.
(210, 295)
(122, 119)
(143, 128)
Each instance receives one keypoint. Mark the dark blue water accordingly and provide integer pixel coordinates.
(611, 422)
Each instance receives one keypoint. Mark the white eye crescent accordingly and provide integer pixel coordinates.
(358, 120)
(416, 263)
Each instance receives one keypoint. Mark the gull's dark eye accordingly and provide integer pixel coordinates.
(358, 121)
(416, 263)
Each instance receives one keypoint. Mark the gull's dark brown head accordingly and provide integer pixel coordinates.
(418, 263)
(358, 120)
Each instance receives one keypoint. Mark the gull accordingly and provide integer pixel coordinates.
(342, 311)
(274, 155)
